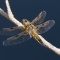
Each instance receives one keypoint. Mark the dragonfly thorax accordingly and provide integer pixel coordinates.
(27, 24)
(28, 28)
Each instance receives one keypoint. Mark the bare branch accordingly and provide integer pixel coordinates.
(11, 16)
(3, 13)
(50, 46)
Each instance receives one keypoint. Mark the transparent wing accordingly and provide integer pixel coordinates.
(39, 19)
(19, 38)
(9, 31)
(42, 28)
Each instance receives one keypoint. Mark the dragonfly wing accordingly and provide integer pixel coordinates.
(42, 28)
(39, 19)
(19, 38)
(9, 31)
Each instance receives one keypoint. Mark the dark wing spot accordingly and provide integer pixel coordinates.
(11, 28)
(17, 35)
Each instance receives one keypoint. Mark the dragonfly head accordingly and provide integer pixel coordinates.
(25, 22)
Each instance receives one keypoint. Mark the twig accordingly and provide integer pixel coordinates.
(3, 13)
(50, 46)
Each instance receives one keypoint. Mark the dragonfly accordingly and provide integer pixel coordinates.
(28, 30)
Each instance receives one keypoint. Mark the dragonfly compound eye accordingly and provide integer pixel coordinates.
(25, 20)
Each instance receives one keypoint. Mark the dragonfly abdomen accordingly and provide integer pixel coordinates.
(35, 36)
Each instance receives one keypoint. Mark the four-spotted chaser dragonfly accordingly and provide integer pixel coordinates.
(29, 30)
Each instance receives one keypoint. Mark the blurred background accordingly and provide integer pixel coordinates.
(31, 49)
